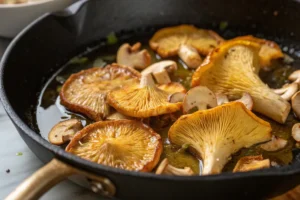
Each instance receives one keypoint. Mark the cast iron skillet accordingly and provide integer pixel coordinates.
(45, 45)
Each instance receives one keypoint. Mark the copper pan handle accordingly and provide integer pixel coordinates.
(53, 173)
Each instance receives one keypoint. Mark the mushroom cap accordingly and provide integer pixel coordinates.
(249, 163)
(63, 131)
(86, 91)
(230, 70)
(124, 144)
(132, 56)
(172, 87)
(296, 132)
(215, 134)
(142, 102)
(296, 104)
(166, 41)
(269, 50)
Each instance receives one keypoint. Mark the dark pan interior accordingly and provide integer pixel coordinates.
(52, 40)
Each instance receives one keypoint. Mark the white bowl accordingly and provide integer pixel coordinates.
(14, 17)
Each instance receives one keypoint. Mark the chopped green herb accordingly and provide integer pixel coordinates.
(111, 38)
(19, 154)
(223, 25)
(78, 60)
(99, 63)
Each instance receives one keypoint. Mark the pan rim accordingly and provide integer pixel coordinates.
(76, 161)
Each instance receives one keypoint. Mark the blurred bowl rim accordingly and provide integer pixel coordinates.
(28, 4)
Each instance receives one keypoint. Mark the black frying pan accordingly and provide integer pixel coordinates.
(44, 46)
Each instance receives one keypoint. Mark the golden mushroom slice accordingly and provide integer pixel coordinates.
(215, 134)
(230, 70)
(250, 163)
(269, 50)
(168, 169)
(124, 144)
(167, 41)
(142, 100)
(85, 92)
(64, 131)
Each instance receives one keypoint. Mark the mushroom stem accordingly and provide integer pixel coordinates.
(162, 77)
(166, 168)
(287, 91)
(296, 104)
(296, 132)
(221, 99)
(275, 144)
(246, 100)
(147, 80)
(189, 55)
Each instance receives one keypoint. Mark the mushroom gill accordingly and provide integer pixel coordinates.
(230, 70)
(215, 134)
(142, 100)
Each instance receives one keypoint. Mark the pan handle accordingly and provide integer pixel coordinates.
(53, 173)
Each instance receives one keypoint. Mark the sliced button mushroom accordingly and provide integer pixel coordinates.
(295, 76)
(142, 100)
(275, 144)
(124, 144)
(85, 92)
(132, 56)
(287, 91)
(296, 132)
(160, 71)
(221, 99)
(165, 168)
(176, 97)
(250, 163)
(190, 56)
(166, 42)
(215, 134)
(246, 100)
(199, 97)
(64, 131)
(229, 69)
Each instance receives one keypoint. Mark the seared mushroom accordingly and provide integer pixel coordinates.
(199, 97)
(176, 97)
(165, 168)
(229, 70)
(86, 91)
(190, 56)
(124, 144)
(160, 71)
(250, 163)
(221, 98)
(132, 56)
(64, 131)
(166, 42)
(296, 132)
(215, 134)
(295, 76)
(296, 104)
(142, 100)
(275, 144)
(269, 50)
(287, 91)
(246, 100)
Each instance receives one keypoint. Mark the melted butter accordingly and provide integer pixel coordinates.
(49, 110)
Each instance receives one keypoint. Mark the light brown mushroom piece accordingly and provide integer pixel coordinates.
(64, 131)
(295, 76)
(199, 97)
(250, 163)
(132, 56)
(166, 168)
(296, 132)
(160, 71)
(246, 100)
(190, 56)
(296, 104)
(221, 99)
(275, 144)
(287, 91)
(176, 97)
(117, 116)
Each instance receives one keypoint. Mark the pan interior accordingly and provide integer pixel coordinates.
(48, 111)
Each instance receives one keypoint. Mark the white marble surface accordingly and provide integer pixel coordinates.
(23, 166)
